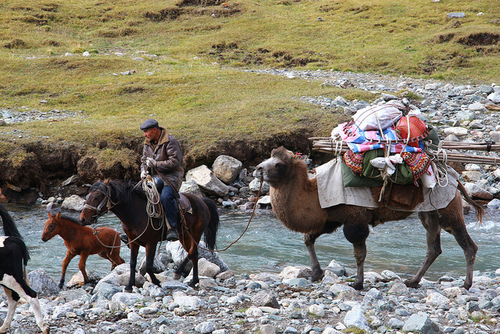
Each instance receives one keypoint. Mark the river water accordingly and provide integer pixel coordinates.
(268, 246)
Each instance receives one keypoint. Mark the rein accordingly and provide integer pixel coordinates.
(237, 239)
(109, 205)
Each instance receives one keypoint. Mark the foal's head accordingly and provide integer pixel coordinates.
(51, 227)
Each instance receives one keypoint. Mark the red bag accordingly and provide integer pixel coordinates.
(413, 126)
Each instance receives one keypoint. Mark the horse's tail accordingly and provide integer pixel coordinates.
(10, 229)
(210, 232)
(479, 209)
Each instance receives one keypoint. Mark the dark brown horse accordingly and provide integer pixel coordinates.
(129, 203)
(81, 240)
(295, 201)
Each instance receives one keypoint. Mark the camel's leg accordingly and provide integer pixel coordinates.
(150, 257)
(81, 265)
(134, 250)
(309, 240)
(11, 307)
(430, 220)
(67, 259)
(470, 250)
(357, 234)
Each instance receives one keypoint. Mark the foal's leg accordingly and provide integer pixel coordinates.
(11, 304)
(357, 234)
(430, 220)
(309, 240)
(67, 259)
(134, 250)
(81, 265)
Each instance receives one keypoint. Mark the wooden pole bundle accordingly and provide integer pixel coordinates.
(447, 153)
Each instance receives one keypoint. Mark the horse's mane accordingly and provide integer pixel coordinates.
(70, 218)
(123, 189)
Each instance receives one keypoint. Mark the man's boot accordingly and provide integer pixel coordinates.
(172, 235)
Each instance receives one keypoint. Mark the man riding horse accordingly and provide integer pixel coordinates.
(162, 159)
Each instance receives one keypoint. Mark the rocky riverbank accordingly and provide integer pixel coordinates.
(266, 303)
(288, 302)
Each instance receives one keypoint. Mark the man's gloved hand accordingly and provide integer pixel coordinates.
(150, 162)
(144, 174)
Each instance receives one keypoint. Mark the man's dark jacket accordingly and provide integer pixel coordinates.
(168, 155)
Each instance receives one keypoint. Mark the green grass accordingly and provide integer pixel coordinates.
(191, 75)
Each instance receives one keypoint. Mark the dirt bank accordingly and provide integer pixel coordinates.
(40, 168)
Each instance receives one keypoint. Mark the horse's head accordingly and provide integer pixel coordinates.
(51, 227)
(97, 203)
(275, 169)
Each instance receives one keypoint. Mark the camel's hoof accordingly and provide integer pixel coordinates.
(358, 285)
(411, 284)
(317, 275)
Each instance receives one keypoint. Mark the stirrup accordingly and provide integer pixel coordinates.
(172, 235)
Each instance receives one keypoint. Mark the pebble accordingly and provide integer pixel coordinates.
(386, 305)
(321, 307)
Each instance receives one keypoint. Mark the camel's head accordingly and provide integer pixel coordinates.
(275, 169)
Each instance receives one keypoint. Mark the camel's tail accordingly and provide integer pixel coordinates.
(479, 209)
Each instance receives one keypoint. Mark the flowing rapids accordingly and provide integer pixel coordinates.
(268, 246)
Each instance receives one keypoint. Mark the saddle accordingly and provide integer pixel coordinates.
(184, 204)
(397, 196)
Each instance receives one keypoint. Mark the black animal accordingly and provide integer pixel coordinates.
(13, 259)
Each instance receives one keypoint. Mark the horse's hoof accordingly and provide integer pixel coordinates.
(127, 289)
(177, 276)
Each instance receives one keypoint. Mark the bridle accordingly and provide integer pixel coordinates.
(106, 203)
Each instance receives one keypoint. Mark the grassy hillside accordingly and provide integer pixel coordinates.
(182, 60)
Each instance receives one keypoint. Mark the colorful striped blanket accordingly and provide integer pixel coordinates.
(361, 141)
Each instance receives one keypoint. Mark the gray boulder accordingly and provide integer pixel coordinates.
(42, 283)
(227, 168)
(207, 180)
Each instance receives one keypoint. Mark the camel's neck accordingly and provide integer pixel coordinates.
(292, 200)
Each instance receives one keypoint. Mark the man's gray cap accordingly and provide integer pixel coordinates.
(148, 124)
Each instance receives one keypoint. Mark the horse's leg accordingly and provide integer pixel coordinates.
(11, 307)
(150, 257)
(194, 259)
(81, 265)
(357, 234)
(180, 269)
(430, 220)
(16, 290)
(309, 240)
(134, 250)
(67, 259)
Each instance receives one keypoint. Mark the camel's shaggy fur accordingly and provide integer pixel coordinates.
(294, 198)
